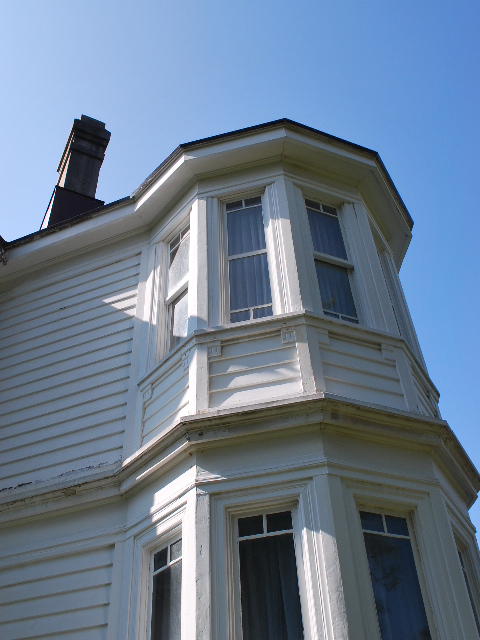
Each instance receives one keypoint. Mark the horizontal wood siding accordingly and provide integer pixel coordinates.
(425, 406)
(65, 350)
(360, 372)
(168, 403)
(254, 370)
(57, 597)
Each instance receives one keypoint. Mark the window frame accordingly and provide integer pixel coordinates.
(272, 276)
(165, 541)
(409, 515)
(346, 264)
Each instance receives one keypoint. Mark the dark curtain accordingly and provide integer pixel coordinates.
(269, 589)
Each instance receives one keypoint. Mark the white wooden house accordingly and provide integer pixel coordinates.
(216, 422)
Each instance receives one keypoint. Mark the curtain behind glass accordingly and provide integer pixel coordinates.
(335, 289)
(249, 282)
(167, 588)
(326, 234)
(245, 231)
(400, 608)
(269, 589)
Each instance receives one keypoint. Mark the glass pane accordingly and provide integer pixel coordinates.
(326, 234)
(249, 202)
(269, 589)
(249, 282)
(335, 289)
(371, 521)
(178, 265)
(250, 526)
(263, 312)
(245, 231)
(400, 608)
(396, 525)
(279, 521)
(239, 316)
(160, 559)
(331, 210)
(231, 206)
(179, 320)
(176, 550)
(312, 205)
(166, 603)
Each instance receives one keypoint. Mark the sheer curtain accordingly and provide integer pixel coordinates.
(269, 589)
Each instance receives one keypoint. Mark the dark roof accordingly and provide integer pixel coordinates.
(204, 141)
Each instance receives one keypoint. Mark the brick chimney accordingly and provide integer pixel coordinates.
(78, 170)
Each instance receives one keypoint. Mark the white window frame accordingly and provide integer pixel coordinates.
(267, 206)
(165, 542)
(226, 615)
(347, 264)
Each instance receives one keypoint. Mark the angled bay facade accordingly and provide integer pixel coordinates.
(216, 419)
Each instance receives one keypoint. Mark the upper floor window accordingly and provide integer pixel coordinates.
(331, 262)
(270, 598)
(250, 293)
(396, 588)
(166, 592)
(177, 287)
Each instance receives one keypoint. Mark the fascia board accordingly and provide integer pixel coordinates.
(92, 232)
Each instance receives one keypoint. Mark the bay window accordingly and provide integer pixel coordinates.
(270, 599)
(249, 280)
(331, 262)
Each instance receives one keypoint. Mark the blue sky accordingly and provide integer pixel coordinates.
(400, 78)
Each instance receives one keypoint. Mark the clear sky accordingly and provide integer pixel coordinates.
(401, 78)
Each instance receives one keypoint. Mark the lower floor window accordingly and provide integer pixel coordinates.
(166, 595)
(270, 598)
(469, 588)
(398, 598)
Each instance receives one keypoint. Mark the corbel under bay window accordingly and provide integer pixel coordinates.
(334, 271)
(249, 279)
(176, 300)
(269, 591)
(396, 588)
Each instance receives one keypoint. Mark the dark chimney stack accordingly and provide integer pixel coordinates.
(78, 172)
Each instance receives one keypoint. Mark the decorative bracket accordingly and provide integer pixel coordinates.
(186, 360)
(214, 349)
(147, 394)
(387, 352)
(288, 335)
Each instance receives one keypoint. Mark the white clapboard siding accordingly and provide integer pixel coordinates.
(65, 353)
(360, 372)
(425, 406)
(63, 596)
(168, 403)
(254, 370)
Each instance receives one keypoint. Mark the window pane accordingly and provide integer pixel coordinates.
(400, 608)
(250, 526)
(166, 601)
(397, 525)
(279, 521)
(263, 312)
(245, 231)
(160, 559)
(179, 320)
(249, 282)
(176, 550)
(335, 289)
(326, 234)
(269, 589)
(371, 521)
(178, 264)
(240, 316)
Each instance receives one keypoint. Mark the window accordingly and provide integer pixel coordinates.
(270, 599)
(177, 287)
(398, 598)
(463, 564)
(250, 294)
(166, 592)
(331, 262)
